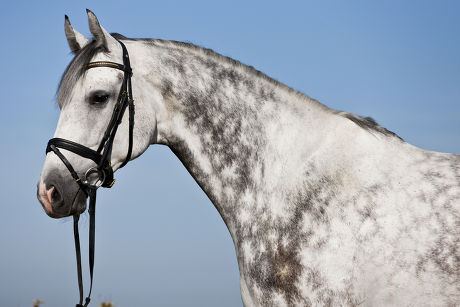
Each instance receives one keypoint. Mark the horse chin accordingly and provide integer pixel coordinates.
(78, 208)
(79, 205)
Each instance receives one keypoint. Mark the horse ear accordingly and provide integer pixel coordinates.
(75, 39)
(100, 35)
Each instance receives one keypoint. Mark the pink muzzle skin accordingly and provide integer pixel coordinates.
(45, 197)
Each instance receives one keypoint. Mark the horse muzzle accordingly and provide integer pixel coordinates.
(60, 199)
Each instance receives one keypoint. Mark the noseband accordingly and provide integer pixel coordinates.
(102, 173)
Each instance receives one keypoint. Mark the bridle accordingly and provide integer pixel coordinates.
(102, 173)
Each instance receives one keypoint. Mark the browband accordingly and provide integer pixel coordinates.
(111, 65)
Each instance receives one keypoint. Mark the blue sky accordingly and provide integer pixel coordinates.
(160, 242)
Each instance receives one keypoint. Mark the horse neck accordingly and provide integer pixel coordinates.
(239, 133)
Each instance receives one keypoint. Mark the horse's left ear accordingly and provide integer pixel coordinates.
(100, 35)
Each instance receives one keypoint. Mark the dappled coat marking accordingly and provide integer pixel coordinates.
(324, 207)
(312, 242)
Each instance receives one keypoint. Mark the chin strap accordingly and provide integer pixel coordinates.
(92, 224)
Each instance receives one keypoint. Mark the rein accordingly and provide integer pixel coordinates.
(102, 173)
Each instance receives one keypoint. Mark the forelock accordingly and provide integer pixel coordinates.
(75, 70)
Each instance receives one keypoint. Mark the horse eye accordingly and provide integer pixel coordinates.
(99, 98)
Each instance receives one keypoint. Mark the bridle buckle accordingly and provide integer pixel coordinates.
(111, 184)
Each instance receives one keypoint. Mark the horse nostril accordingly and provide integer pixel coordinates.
(55, 196)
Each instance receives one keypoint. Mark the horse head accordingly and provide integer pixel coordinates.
(93, 133)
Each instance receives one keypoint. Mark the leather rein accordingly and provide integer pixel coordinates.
(102, 173)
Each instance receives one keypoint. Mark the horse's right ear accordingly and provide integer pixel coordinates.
(76, 39)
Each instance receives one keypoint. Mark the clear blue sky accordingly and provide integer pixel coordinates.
(160, 242)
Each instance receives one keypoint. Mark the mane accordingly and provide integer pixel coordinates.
(367, 123)
(77, 68)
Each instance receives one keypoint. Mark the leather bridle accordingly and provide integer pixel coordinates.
(102, 173)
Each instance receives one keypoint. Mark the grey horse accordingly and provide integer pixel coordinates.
(324, 207)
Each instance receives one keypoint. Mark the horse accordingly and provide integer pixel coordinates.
(325, 208)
